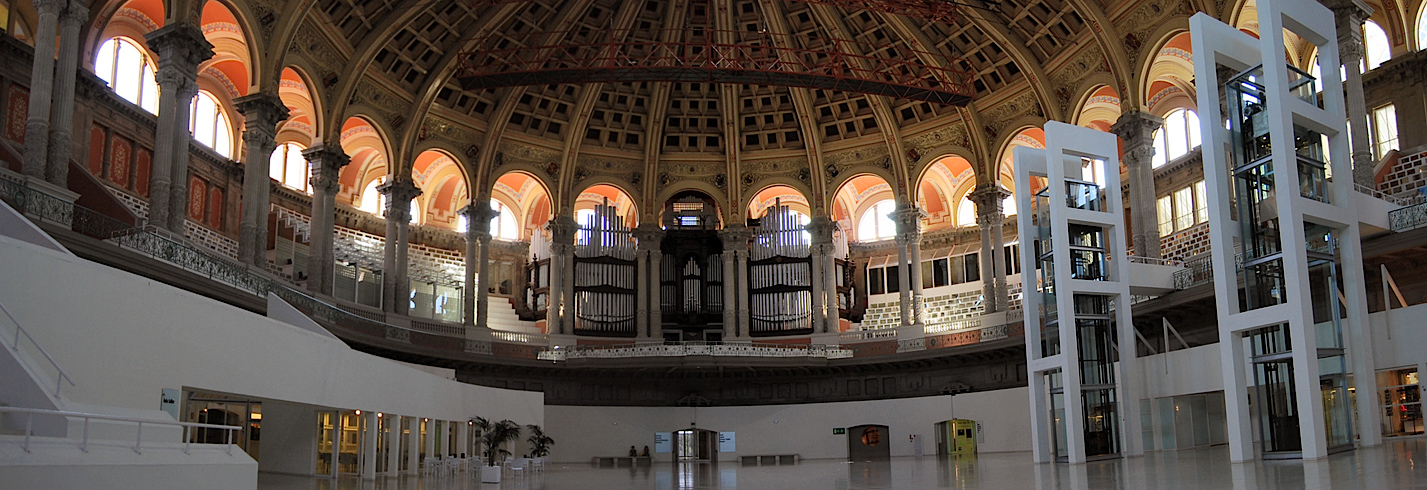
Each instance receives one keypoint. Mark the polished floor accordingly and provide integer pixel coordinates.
(1400, 464)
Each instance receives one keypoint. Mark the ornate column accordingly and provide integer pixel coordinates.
(37, 122)
(909, 250)
(824, 282)
(742, 324)
(656, 307)
(1349, 16)
(180, 48)
(478, 242)
(62, 119)
(562, 247)
(646, 289)
(990, 218)
(261, 113)
(834, 314)
(324, 165)
(395, 289)
(1136, 131)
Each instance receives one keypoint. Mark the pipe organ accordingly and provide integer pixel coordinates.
(780, 275)
(604, 294)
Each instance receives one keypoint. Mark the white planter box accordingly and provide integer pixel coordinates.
(490, 474)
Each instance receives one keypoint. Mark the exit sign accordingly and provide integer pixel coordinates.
(839, 431)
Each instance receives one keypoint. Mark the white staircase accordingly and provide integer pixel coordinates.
(500, 316)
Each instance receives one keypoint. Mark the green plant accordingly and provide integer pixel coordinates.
(539, 442)
(493, 436)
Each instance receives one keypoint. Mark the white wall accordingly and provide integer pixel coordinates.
(123, 338)
(584, 432)
(289, 439)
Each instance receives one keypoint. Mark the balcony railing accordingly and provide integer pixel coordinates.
(1408, 218)
(31, 413)
(684, 349)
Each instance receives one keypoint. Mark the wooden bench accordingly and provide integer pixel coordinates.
(621, 461)
(769, 460)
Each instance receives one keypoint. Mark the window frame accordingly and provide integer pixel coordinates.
(1192, 138)
(146, 95)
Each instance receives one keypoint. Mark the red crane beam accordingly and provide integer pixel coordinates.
(756, 58)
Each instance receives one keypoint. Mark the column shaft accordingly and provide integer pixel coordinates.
(468, 296)
(369, 446)
(396, 294)
(656, 305)
(61, 128)
(37, 123)
(483, 288)
(181, 47)
(744, 326)
(998, 263)
(830, 290)
(1349, 16)
(641, 290)
(914, 251)
(1136, 131)
(325, 164)
(261, 114)
(818, 307)
(988, 279)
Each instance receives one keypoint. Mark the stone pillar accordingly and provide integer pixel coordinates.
(324, 165)
(393, 445)
(646, 289)
(369, 446)
(744, 323)
(478, 243)
(396, 291)
(909, 255)
(61, 128)
(181, 48)
(830, 278)
(261, 113)
(656, 307)
(824, 280)
(1136, 131)
(37, 123)
(990, 217)
(1349, 16)
(413, 446)
(733, 238)
(562, 250)
(429, 448)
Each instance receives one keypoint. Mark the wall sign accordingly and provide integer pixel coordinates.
(168, 402)
(838, 431)
(663, 442)
(726, 443)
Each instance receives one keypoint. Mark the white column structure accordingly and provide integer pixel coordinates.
(429, 448)
(335, 439)
(413, 446)
(824, 275)
(909, 256)
(1080, 398)
(393, 445)
(261, 114)
(180, 47)
(562, 251)
(61, 127)
(369, 445)
(1294, 243)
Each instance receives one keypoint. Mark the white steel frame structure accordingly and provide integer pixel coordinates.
(1282, 124)
(1089, 285)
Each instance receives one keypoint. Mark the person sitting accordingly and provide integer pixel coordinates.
(633, 452)
(645, 454)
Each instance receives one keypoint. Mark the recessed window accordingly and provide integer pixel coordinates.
(1384, 130)
(1378, 49)
(1177, 138)
(876, 223)
(209, 124)
(129, 71)
(287, 165)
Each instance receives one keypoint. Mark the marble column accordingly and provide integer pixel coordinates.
(909, 256)
(61, 127)
(261, 113)
(1136, 131)
(37, 122)
(1349, 16)
(824, 274)
(647, 244)
(743, 326)
(396, 291)
(990, 218)
(180, 48)
(324, 165)
(656, 306)
(478, 241)
(562, 249)
(834, 314)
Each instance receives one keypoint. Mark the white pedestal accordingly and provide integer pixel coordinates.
(490, 474)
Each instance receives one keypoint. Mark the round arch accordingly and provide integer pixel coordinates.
(130, 18)
(304, 107)
(1097, 108)
(836, 184)
(719, 198)
(766, 196)
(629, 211)
(764, 183)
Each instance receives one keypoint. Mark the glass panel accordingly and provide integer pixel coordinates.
(1102, 434)
(1278, 410)
(1401, 402)
(1337, 407)
(1085, 196)
(1166, 424)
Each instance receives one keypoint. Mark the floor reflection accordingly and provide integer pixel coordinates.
(1400, 464)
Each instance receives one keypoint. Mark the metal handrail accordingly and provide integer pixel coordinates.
(138, 438)
(16, 347)
(1135, 259)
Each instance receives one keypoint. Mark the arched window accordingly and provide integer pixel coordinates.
(1422, 28)
(1378, 49)
(965, 212)
(372, 201)
(503, 225)
(876, 223)
(1008, 206)
(129, 71)
(288, 166)
(1179, 135)
(210, 125)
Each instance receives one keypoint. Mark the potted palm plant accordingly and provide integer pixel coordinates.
(493, 436)
(539, 442)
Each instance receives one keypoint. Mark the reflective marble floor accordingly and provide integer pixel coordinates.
(1400, 464)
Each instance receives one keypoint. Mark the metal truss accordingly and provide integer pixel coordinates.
(753, 58)
(935, 10)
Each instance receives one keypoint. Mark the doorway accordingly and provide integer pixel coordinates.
(866, 442)
(695, 445)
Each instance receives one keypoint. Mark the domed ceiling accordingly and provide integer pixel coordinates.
(1023, 61)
